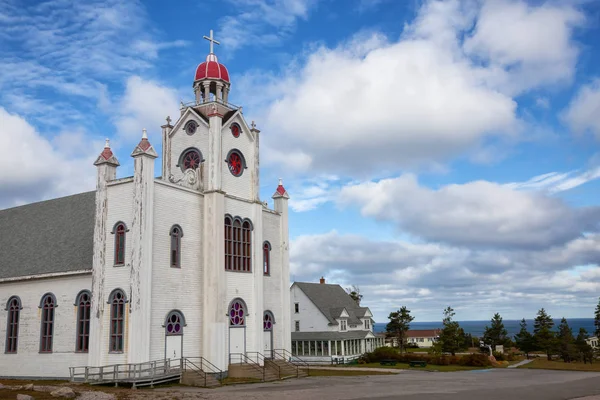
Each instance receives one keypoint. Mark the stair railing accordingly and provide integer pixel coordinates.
(239, 358)
(258, 357)
(203, 367)
(287, 356)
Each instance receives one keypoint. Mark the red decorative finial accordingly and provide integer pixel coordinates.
(107, 152)
(280, 188)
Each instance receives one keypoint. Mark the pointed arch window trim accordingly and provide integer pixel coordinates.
(14, 307)
(268, 317)
(48, 306)
(176, 233)
(83, 302)
(169, 322)
(120, 231)
(117, 320)
(266, 258)
(238, 243)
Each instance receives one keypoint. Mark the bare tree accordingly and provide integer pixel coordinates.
(354, 292)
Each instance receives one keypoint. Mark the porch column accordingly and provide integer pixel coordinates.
(329, 347)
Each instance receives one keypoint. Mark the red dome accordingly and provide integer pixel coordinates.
(212, 69)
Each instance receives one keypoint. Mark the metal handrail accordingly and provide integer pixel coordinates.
(245, 359)
(287, 356)
(206, 365)
(260, 357)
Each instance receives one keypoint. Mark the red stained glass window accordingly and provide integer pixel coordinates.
(84, 304)
(237, 314)
(191, 160)
(12, 325)
(235, 130)
(48, 306)
(238, 245)
(120, 244)
(117, 321)
(235, 163)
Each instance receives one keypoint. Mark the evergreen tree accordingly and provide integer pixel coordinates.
(452, 337)
(584, 350)
(542, 333)
(566, 342)
(524, 339)
(496, 334)
(597, 320)
(399, 324)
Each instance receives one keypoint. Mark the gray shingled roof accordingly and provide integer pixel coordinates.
(47, 237)
(328, 335)
(331, 300)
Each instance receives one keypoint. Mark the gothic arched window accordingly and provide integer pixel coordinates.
(238, 244)
(48, 304)
(176, 235)
(268, 321)
(117, 302)
(13, 306)
(119, 232)
(174, 323)
(190, 159)
(84, 306)
(237, 313)
(267, 258)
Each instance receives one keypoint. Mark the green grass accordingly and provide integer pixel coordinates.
(429, 367)
(543, 363)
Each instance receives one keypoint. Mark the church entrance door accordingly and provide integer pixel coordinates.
(173, 348)
(174, 335)
(268, 343)
(237, 340)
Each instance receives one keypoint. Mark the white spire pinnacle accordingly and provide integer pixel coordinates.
(280, 182)
(107, 144)
(144, 134)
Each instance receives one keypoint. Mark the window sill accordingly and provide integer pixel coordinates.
(116, 352)
(45, 352)
(10, 352)
(118, 265)
(81, 351)
(239, 272)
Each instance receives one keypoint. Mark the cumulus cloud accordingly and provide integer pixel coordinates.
(478, 213)
(428, 277)
(446, 87)
(145, 104)
(34, 167)
(583, 111)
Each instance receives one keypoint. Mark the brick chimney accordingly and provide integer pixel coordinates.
(322, 281)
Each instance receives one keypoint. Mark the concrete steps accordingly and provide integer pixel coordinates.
(199, 378)
(290, 370)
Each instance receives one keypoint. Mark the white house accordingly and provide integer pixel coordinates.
(328, 324)
(190, 263)
(422, 337)
(592, 341)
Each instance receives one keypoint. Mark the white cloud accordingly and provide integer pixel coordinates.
(261, 22)
(443, 89)
(584, 110)
(478, 213)
(429, 277)
(34, 168)
(555, 182)
(145, 104)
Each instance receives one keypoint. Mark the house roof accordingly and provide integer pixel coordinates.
(331, 300)
(328, 335)
(423, 333)
(47, 237)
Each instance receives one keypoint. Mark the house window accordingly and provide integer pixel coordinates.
(343, 326)
(238, 244)
(367, 324)
(83, 304)
(297, 326)
(13, 306)
(119, 232)
(48, 304)
(296, 308)
(117, 302)
(176, 235)
(237, 313)
(267, 258)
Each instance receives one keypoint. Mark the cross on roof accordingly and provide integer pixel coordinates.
(212, 41)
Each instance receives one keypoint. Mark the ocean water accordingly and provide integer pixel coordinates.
(476, 328)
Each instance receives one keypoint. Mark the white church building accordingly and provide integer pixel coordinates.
(188, 261)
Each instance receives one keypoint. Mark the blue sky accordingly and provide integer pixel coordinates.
(437, 152)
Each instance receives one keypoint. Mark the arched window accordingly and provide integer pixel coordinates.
(237, 313)
(13, 306)
(190, 159)
(174, 323)
(48, 304)
(117, 302)
(176, 235)
(267, 258)
(119, 232)
(268, 321)
(238, 244)
(84, 306)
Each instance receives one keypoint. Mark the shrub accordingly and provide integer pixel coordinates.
(475, 360)
(499, 356)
